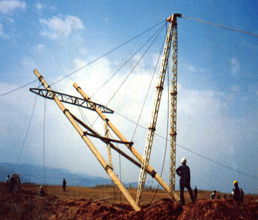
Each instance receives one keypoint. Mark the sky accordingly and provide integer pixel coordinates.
(217, 107)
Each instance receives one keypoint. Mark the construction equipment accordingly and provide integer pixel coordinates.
(171, 39)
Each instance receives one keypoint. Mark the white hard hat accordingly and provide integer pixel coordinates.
(183, 161)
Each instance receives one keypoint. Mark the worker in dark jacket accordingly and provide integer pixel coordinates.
(64, 184)
(184, 172)
(236, 194)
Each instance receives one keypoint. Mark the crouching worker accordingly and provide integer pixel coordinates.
(184, 172)
(41, 192)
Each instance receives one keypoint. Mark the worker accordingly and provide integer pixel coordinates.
(7, 183)
(236, 191)
(41, 192)
(195, 193)
(213, 195)
(241, 195)
(184, 172)
(12, 183)
(64, 184)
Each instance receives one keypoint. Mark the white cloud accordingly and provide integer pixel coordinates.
(2, 34)
(235, 67)
(9, 6)
(56, 27)
(38, 6)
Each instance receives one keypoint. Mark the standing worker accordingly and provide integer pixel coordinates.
(236, 194)
(184, 172)
(64, 184)
(195, 193)
(241, 195)
(7, 185)
(213, 195)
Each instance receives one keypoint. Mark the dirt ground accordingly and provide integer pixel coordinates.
(60, 205)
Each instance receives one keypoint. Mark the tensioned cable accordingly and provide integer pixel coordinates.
(19, 88)
(221, 26)
(148, 89)
(126, 62)
(134, 67)
(158, 33)
(107, 53)
(44, 140)
(26, 133)
(165, 151)
(191, 150)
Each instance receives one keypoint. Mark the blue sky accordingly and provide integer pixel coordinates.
(217, 84)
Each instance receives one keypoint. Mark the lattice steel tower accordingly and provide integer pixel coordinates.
(171, 40)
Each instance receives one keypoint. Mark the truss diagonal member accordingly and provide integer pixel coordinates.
(71, 99)
(90, 144)
(154, 174)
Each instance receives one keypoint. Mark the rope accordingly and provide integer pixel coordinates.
(157, 32)
(134, 67)
(44, 140)
(26, 134)
(221, 26)
(254, 177)
(106, 53)
(148, 91)
(127, 61)
(165, 152)
(18, 88)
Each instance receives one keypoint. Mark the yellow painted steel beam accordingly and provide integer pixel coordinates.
(90, 144)
(130, 147)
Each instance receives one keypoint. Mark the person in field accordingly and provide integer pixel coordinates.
(7, 184)
(184, 172)
(241, 195)
(213, 195)
(236, 191)
(41, 192)
(195, 193)
(64, 184)
(12, 183)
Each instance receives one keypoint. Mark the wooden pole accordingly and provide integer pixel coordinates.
(130, 147)
(90, 144)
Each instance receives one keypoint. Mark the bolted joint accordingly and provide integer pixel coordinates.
(152, 128)
(108, 167)
(160, 88)
(153, 173)
(173, 133)
(65, 110)
(173, 93)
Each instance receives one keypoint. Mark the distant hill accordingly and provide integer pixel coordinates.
(53, 176)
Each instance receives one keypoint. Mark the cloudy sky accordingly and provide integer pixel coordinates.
(217, 85)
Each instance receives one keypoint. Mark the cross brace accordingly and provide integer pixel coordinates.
(71, 100)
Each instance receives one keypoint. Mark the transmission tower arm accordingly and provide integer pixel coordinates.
(70, 99)
(154, 116)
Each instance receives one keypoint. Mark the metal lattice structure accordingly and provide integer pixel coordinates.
(171, 39)
(173, 109)
(71, 99)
